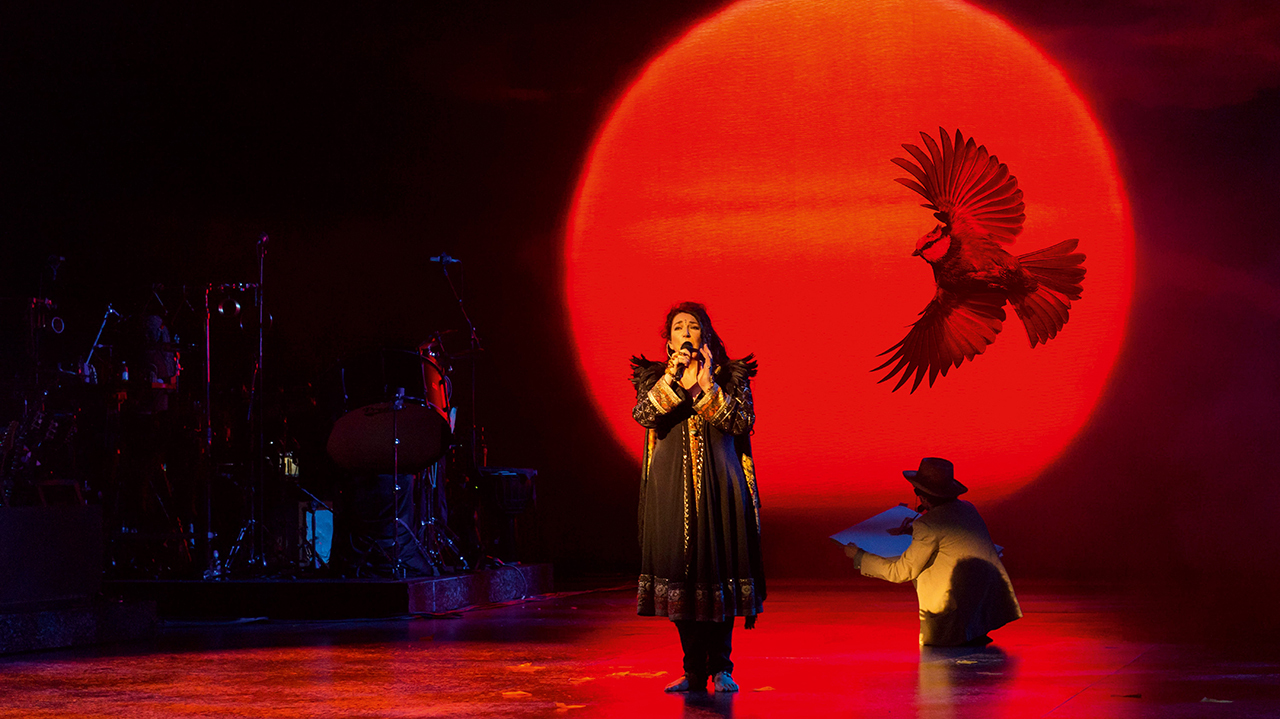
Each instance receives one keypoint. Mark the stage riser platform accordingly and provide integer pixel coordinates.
(96, 622)
(335, 598)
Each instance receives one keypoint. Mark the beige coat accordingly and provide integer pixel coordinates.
(963, 589)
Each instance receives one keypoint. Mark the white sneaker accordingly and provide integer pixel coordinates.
(725, 683)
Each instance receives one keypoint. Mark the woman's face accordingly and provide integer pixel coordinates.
(685, 328)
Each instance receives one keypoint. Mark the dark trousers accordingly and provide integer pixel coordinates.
(706, 647)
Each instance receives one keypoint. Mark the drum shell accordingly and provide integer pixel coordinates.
(368, 418)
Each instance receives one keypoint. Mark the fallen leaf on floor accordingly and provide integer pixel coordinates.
(1216, 701)
(648, 675)
(526, 667)
(965, 661)
(763, 689)
(562, 707)
(515, 695)
(581, 680)
(618, 674)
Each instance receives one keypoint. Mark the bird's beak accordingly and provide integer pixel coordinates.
(916, 253)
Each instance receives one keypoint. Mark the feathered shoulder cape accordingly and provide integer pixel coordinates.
(733, 374)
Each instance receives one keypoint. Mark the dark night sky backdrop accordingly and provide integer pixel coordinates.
(152, 143)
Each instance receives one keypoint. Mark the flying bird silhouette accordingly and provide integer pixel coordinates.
(980, 207)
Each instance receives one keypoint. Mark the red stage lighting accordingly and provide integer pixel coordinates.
(748, 167)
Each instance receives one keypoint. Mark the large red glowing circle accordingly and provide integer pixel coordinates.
(748, 167)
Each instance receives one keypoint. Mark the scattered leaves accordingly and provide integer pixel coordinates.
(526, 667)
(581, 680)
(561, 707)
(515, 694)
(764, 689)
(637, 675)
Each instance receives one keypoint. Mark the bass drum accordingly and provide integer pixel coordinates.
(372, 433)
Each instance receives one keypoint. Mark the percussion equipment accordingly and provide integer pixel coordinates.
(395, 412)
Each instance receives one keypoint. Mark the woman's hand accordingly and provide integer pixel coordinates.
(680, 357)
(851, 551)
(706, 380)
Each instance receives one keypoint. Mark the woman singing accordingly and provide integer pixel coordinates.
(699, 513)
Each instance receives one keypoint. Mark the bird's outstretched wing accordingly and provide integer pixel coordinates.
(951, 329)
(968, 189)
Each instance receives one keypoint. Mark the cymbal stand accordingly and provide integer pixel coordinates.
(212, 568)
(436, 535)
(257, 432)
(251, 532)
(399, 569)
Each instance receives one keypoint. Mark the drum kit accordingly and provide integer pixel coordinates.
(397, 422)
(192, 468)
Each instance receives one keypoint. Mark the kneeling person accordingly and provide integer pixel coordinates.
(962, 586)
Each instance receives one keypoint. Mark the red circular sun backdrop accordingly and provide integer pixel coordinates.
(749, 168)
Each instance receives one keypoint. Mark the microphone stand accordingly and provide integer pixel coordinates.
(445, 260)
(89, 374)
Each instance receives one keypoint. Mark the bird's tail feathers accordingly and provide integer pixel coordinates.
(1058, 271)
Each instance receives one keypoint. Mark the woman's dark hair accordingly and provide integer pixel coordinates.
(719, 355)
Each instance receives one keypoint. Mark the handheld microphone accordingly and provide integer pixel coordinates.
(681, 367)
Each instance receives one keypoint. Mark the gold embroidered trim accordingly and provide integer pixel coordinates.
(663, 396)
(685, 465)
(711, 403)
(702, 601)
(749, 471)
(650, 444)
(696, 429)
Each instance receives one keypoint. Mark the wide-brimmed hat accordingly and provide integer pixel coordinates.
(936, 477)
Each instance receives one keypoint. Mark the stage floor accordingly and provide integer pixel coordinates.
(841, 648)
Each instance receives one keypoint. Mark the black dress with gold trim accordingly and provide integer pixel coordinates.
(699, 506)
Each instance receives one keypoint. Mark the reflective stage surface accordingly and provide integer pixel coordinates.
(842, 648)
